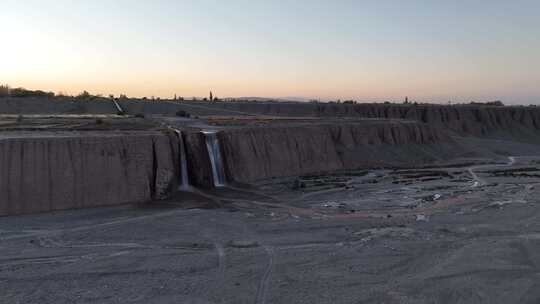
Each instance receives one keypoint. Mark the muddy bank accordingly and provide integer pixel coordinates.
(52, 171)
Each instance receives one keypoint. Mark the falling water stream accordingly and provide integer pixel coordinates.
(184, 177)
(212, 145)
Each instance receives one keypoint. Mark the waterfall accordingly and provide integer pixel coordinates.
(118, 107)
(184, 177)
(212, 145)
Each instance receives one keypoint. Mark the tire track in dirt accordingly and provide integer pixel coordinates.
(265, 281)
(479, 182)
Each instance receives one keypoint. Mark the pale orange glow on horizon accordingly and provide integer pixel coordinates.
(166, 49)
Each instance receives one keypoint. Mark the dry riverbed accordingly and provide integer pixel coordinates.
(456, 234)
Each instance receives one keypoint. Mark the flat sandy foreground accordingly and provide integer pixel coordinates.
(462, 234)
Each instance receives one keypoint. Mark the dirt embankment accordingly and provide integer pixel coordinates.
(255, 153)
(465, 119)
(510, 122)
(44, 172)
(476, 120)
(58, 105)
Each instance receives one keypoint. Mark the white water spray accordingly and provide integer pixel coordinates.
(212, 145)
(118, 107)
(184, 177)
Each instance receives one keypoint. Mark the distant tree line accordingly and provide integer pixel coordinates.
(210, 98)
(6, 91)
(489, 103)
(350, 101)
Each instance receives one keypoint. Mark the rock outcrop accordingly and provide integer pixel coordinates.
(63, 171)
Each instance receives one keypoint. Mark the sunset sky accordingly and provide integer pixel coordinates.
(366, 50)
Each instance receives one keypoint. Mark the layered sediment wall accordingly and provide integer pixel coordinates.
(469, 120)
(255, 153)
(464, 119)
(476, 120)
(66, 170)
(44, 171)
(63, 170)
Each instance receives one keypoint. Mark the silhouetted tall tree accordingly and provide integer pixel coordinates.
(4, 90)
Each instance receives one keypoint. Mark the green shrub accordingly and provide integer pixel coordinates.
(22, 92)
(84, 95)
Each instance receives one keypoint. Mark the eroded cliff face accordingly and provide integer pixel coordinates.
(474, 120)
(465, 120)
(199, 167)
(63, 171)
(255, 153)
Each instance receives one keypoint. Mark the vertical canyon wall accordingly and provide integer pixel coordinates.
(74, 171)
(256, 153)
(472, 119)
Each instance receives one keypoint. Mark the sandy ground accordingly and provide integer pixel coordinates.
(459, 234)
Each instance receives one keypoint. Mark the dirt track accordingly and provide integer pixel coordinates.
(481, 182)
